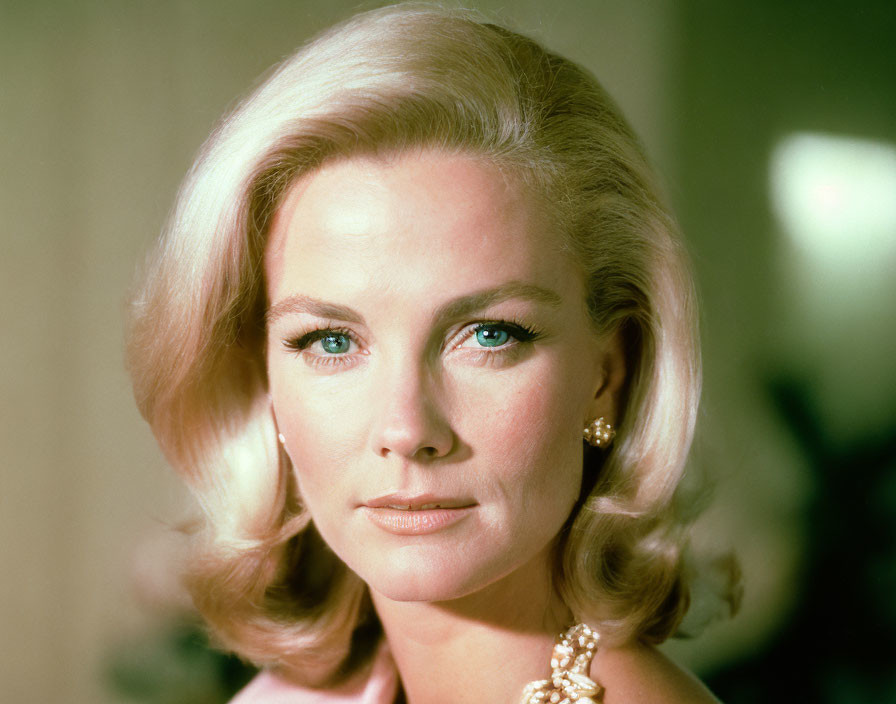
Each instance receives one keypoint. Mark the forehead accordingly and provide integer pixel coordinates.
(451, 219)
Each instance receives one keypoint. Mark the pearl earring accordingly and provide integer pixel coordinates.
(599, 433)
(281, 438)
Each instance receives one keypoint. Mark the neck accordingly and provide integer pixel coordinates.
(485, 646)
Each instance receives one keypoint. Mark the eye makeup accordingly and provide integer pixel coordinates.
(490, 341)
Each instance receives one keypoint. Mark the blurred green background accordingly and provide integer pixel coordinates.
(772, 124)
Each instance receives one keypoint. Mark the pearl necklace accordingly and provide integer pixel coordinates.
(571, 663)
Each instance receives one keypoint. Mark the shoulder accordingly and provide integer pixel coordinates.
(639, 673)
(377, 685)
(270, 688)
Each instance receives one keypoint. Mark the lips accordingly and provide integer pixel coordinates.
(416, 515)
(419, 502)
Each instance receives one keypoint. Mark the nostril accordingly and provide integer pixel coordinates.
(427, 451)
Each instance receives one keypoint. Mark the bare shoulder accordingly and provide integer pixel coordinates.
(641, 674)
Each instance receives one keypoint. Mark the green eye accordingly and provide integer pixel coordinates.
(335, 343)
(490, 336)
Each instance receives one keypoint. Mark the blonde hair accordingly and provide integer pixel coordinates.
(407, 77)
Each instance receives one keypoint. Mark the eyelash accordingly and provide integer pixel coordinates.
(520, 333)
(301, 343)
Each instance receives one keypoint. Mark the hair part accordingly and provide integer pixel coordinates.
(384, 82)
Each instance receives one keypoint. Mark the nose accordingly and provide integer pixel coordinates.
(409, 423)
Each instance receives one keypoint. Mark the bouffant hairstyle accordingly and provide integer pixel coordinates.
(400, 78)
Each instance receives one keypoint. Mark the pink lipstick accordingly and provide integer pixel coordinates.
(420, 514)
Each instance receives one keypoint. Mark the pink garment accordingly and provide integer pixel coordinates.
(380, 687)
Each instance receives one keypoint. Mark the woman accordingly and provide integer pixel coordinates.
(421, 340)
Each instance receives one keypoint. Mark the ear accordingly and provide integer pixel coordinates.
(612, 373)
(281, 440)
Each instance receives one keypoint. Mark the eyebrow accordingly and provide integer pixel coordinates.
(311, 306)
(452, 310)
(475, 302)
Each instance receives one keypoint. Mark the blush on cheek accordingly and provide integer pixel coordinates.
(536, 417)
(537, 437)
(322, 425)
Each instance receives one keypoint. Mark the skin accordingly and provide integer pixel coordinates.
(382, 383)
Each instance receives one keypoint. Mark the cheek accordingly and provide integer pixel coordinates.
(321, 432)
(534, 438)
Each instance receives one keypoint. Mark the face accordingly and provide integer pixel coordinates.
(431, 366)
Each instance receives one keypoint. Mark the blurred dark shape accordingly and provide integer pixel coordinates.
(839, 644)
(175, 665)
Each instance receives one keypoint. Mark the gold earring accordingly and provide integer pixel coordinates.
(599, 433)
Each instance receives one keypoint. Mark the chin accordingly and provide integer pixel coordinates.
(416, 579)
(416, 592)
